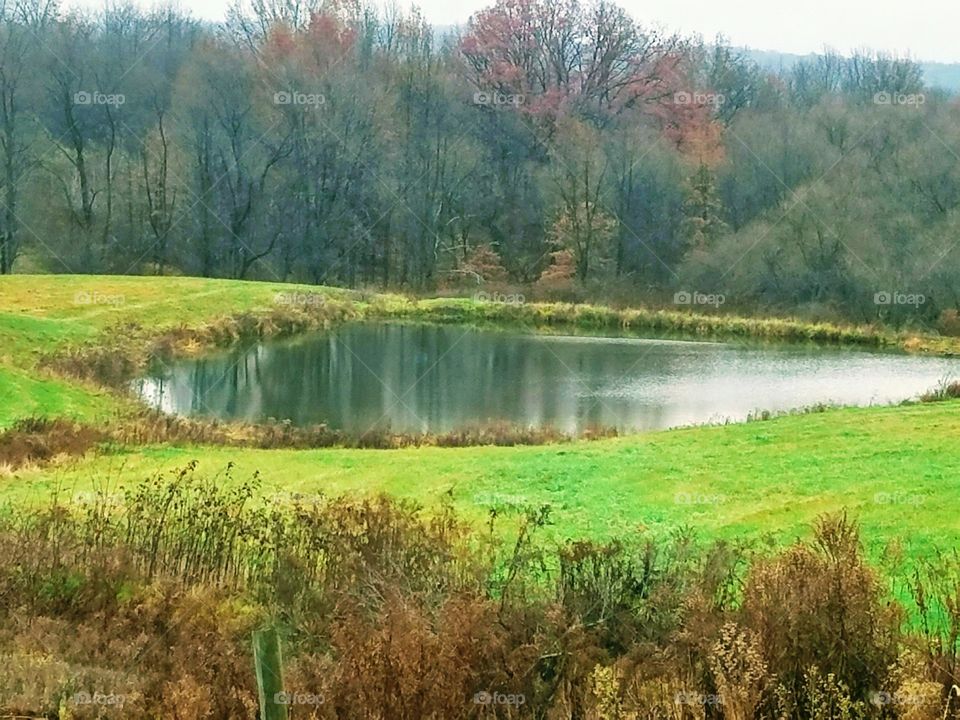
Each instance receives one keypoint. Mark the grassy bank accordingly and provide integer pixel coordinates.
(894, 468)
(103, 328)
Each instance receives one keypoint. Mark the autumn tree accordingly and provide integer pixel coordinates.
(560, 273)
(562, 55)
(481, 266)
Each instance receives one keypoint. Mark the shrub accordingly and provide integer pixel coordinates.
(388, 612)
(946, 389)
(821, 617)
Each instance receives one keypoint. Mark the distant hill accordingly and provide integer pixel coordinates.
(945, 76)
(942, 75)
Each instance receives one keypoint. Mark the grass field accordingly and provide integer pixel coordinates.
(897, 469)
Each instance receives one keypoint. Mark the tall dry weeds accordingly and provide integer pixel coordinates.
(387, 612)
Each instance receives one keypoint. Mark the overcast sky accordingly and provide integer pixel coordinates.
(926, 29)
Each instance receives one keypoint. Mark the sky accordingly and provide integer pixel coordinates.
(924, 29)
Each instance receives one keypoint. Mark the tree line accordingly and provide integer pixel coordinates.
(563, 146)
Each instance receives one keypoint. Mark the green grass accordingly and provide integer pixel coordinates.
(24, 394)
(761, 478)
(771, 477)
(39, 313)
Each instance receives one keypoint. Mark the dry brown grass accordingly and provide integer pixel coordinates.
(41, 441)
(150, 427)
(388, 613)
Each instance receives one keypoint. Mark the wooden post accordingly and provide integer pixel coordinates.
(269, 667)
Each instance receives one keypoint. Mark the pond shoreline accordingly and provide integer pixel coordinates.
(170, 318)
(111, 362)
(422, 377)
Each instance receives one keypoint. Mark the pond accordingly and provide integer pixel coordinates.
(433, 378)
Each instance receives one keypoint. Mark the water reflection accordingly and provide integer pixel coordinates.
(437, 378)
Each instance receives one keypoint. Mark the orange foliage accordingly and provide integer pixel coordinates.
(560, 272)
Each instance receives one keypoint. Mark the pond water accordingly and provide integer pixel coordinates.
(412, 377)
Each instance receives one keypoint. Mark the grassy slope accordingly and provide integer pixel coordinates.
(40, 313)
(23, 393)
(769, 477)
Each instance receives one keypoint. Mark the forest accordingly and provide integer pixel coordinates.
(562, 149)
